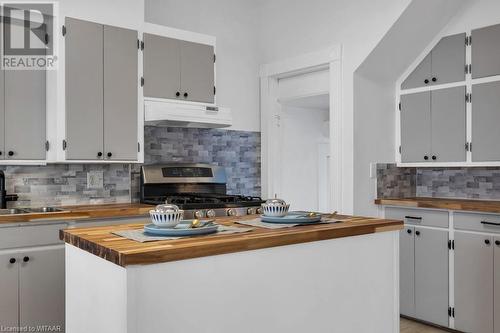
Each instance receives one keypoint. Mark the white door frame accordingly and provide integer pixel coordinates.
(331, 59)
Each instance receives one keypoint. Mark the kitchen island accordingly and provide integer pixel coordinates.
(338, 277)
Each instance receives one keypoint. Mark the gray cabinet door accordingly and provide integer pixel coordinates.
(407, 271)
(120, 93)
(9, 301)
(84, 89)
(2, 115)
(496, 286)
(25, 114)
(41, 288)
(431, 275)
(197, 72)
(162, 67)
(448, 116)
(473, 283)
(415, 127)
(485, 120)
(418, 77)
(448, 60)
(485, 51)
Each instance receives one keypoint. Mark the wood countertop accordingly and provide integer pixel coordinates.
(489, 206)
(80, 213)
(121, 251)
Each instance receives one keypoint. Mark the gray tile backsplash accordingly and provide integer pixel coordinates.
(66, 184)
(470, 183)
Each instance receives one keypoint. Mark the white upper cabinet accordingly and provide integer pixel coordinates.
(444, 64)
(485, 51)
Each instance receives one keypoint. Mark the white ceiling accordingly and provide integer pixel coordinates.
(319, 102)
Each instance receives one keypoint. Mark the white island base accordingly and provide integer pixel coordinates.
(344, 285)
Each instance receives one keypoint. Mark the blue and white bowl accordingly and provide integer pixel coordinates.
(166, 216)
(275, 208)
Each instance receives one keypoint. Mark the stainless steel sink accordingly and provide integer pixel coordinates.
(12, 211)
(44, 210)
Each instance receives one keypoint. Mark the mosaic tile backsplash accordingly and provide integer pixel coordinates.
(237, 151)
(66, 184)
(466, 183)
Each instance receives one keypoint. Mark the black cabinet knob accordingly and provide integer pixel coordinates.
(186, 94)
(12, 260)
(497, 242)
(408, 231)
(426, 157)
(99, 154)
(426, 81)
(0, 153)
(487, 241)
(110, 154)
(434, 157)
(11, 153)
(26, 259)
(434, 79)
(177, 94)
(417, 233)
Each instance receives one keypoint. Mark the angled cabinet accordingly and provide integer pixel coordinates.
(485, 120)
(176, 69)
(485, 50)
(474, 283)
(101, 92)
(444, 64)
(433, 126)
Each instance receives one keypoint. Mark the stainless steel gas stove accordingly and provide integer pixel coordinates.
(198, 189)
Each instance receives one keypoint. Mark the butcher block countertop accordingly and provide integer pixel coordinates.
(80, 213)
(489, 206)
(101, 242)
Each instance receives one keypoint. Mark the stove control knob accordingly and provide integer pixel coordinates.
(259, 210)
(199, 214)
(211, 213)
(252, 211)
(231, 212)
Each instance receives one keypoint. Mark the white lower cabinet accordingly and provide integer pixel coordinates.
(407, 271)
(9, 286)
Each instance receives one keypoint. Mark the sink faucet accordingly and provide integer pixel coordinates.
(4, 197)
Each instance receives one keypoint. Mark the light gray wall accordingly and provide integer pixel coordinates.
(234, 23)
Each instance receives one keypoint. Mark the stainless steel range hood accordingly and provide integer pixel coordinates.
(179, 114)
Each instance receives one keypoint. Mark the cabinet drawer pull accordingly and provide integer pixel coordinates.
(413, 218)
(490, 223)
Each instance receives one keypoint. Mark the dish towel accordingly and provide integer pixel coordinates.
(258, 223)
(138, 235)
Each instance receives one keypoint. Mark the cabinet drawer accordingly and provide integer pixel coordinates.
(23, 236)
(477, 222)
(431, 218)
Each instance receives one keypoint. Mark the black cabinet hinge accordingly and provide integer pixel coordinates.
(399, 106)
(449, 311)
(214, 90)
(453, 244)
(400, 150)
(46, 39)
(214, 58)
(138, 147)
(468, 146)
(47, 145)
(449, 244)
(468, 40)
(468, 97)
(138, 44)
(64, 145)
(64, 30)
(453, 312)
(142, 81)
(142, 45)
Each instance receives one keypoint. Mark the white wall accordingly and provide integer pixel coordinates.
(234, 24)
(476, 14)
(291, 28)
